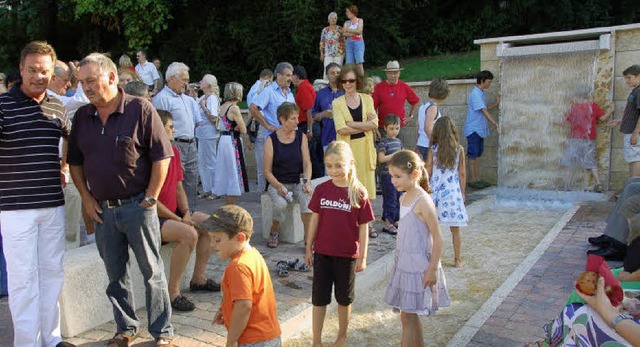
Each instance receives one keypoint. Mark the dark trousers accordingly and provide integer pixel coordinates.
(390, 199)
(315, 149)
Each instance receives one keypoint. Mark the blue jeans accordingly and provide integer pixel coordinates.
(3, 271)
(136, 227)
(354, 51)
(390, 199)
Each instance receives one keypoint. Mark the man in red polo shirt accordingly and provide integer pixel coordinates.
(389, 96)
(305, 96)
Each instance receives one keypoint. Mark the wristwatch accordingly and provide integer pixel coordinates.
(617, 319)
(151, 201)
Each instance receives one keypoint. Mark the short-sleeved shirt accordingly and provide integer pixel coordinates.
(148, 72)
(338, 223)
(476, 121)
(323, 102)
(304, 99)
(388, 146)
(247, 278)
(332, 42)
(631, 112)
(268, 102)
(168, 194)
(117, 156)
(582, 118)
(184, 109)
(389, 98)
(206, 129)
(29, 159)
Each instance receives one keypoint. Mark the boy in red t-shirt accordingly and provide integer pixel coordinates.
(581, 147)
(248, 308)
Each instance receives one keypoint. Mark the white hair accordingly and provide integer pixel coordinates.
(332, 15)
(175, 68)
(213, 83)
(104, 63)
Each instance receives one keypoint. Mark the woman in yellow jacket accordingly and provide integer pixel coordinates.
(356, 121)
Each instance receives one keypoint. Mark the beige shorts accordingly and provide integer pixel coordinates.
(631, 153)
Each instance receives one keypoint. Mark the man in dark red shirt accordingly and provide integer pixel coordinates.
(389, 96)
(120, 150)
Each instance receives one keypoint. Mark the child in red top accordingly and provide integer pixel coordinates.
(248, 308)
(338, 238)
(581, 147)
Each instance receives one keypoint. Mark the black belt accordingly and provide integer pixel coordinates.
(113, 203)
(225, 133)
(184, 140)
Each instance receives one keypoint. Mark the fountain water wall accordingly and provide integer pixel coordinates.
(536, 93)
(535, 75)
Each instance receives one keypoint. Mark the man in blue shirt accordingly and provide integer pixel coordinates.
(476, 128)
(255, 131)
(322, 109)
(264, 106)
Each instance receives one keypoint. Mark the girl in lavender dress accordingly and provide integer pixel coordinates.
(417, 285)
(445, 165)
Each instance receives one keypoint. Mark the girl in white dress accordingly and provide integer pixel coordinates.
(446, 168)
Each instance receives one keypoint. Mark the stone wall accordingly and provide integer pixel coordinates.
(627, 53)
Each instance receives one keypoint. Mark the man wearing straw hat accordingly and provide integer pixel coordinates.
(389, 96)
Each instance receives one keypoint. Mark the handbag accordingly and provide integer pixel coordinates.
(219, 124)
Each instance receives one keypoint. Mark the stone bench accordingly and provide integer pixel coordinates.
(83, 302)
(291, 229)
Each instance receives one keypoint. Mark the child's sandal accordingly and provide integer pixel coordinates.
(298, 265)
(272, 241)
(282, 268)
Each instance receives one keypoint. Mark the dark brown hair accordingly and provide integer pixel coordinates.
(408, 161)
(356, 71)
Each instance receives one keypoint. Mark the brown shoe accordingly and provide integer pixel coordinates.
(121, 340)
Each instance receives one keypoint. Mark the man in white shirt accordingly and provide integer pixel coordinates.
(186, 114)
(147, 71)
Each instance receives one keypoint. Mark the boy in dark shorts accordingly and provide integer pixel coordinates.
(476, 128)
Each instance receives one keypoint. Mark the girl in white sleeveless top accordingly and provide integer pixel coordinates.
(428, 113)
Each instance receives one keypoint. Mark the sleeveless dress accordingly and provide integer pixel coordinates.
(447, 196)
(228, 178)
(406, 291)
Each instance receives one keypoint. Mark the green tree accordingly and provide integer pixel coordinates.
(139, 20)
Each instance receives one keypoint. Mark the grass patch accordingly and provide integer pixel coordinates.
(448, 66)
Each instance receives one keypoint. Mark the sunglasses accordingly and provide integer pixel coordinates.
(353, 80)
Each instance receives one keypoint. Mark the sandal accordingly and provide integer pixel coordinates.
(209, 286)
(298, 265)
(282, 268)
(164, 342)
(121, 340)
(182, 303)
(373, 233)
(392, 230)
(272, 241)
(598, 188)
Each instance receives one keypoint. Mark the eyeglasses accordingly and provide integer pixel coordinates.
(353, 80)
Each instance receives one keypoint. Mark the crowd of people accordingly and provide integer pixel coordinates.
(125, 149)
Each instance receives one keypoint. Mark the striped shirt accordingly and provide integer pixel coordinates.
(29, 161)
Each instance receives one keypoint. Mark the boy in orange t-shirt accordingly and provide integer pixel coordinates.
(248, 308)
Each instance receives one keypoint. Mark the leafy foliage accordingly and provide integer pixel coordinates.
(236, 39)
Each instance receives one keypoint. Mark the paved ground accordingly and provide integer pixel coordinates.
(541, 294)
(538, 298)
